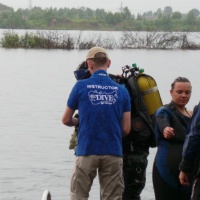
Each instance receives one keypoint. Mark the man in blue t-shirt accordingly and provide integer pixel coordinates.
(104, 116)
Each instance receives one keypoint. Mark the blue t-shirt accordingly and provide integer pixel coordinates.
(101, 103)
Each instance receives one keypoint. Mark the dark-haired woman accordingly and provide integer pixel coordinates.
(170, 125)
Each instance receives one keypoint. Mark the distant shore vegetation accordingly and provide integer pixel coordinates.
(87, 19)
(162, 29)
(128, 40)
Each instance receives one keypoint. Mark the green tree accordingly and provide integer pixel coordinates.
(89, 14)
(176, 15)
(139, 17)
(5, 8)
(117, 18)
(138, 25)
(110, 18)
(100, 14)
(167, 11)
(36, 14)
(148, 15)
(126, 14)
(158, 13)
(50, 16)
(194, 12)
(191, 19)
(164, 24)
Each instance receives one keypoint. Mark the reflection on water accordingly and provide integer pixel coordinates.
(34, 86)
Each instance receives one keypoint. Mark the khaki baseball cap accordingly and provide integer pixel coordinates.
(94, 50)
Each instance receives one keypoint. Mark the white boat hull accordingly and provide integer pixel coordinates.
(46, 195)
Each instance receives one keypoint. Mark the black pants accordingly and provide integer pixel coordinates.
(134, 169)
(163, 191)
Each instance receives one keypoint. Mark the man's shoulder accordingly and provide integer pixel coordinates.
(83, 82)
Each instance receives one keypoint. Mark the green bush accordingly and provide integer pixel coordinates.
(10, 40)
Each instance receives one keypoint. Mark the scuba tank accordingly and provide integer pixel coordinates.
(149, 91)
(146, 86)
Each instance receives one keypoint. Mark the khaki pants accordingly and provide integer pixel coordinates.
(110, 177)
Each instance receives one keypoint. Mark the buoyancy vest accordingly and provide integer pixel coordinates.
(141, 136)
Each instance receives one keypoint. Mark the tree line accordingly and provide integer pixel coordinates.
(87, 19)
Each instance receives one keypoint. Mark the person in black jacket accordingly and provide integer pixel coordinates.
(190, 156)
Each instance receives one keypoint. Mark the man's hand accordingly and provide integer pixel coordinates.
(184, 178)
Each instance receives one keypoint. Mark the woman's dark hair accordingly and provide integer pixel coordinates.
(179, 79)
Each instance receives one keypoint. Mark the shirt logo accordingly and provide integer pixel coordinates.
(102, 97)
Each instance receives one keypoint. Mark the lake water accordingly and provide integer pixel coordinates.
(34, 86)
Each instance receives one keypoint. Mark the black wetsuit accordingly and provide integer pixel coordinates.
(136, 145)
(168, 157)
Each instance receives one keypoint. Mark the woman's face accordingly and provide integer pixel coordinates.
(181, 93)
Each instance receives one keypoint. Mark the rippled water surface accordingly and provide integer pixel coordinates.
(34, 86)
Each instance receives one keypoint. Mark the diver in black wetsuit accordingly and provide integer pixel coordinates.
(135, 160)
(136, 145)
(170, 127)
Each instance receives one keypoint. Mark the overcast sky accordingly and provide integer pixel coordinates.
(135, 6)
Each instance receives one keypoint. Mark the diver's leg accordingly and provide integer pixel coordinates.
(134, 170)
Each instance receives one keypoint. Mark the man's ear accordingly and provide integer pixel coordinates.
(90, 65)
(171, 92)
(109, 63)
